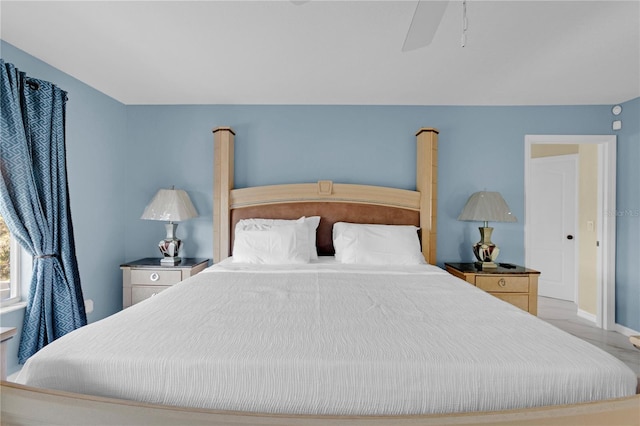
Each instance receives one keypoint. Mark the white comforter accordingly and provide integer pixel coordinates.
(329, 339)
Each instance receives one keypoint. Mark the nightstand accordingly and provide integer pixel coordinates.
(144, 278)
(6, 333)
(518, 286)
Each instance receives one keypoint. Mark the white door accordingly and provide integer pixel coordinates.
(552, 206)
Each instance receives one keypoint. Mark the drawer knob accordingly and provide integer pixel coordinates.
(502, 282)
(154, 276)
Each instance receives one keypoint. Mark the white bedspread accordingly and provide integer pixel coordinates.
(329, 339)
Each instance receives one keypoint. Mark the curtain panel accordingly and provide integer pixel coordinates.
(34, 201)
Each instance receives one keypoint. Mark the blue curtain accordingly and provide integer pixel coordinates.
(34, 201)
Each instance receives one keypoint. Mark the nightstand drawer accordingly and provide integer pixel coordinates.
(503, 284)
(140, 293)
(155, 277)
(519, 300)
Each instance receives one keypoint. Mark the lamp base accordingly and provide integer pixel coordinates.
(486, 265)
(486, 252)
(170, 246)
(170, 261)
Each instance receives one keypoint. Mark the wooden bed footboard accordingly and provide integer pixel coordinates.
(23, 405)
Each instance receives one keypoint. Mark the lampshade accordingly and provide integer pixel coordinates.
(487, 206)
(173, 205)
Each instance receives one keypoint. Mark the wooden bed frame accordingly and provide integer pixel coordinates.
(23, 405)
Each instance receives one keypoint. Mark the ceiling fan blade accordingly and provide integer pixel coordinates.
(425, 22)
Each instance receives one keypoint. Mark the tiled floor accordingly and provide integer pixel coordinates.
(563, 315)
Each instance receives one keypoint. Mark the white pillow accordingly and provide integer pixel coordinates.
(283, 244)
(311, 223)
(377, 244)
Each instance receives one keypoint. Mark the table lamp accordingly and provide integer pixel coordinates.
(173, 205)
(486, 207)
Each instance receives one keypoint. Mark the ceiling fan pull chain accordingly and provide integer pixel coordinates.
(464, 23)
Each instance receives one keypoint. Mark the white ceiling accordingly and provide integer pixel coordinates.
(336, 52)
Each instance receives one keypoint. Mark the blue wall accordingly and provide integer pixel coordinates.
(628, 217)
(480, 148)
(119, 156)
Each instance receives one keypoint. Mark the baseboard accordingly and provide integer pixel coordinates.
(587, 316)
(625, 330)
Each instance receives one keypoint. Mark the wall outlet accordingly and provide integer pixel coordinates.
(88, 306)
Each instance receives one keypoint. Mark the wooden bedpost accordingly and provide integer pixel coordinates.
(222, 185)
(427, 185)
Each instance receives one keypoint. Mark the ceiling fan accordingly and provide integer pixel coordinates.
(424, 24)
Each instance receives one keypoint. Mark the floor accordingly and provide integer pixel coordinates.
(564, 315)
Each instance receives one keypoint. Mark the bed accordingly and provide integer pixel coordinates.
(322, 341)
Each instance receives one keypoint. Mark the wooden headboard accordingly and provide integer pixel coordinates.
(334, 202)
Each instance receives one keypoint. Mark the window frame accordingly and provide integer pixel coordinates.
(14, 279)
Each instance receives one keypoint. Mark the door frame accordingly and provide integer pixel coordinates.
(606, 297)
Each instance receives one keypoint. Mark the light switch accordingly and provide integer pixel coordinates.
(617, 125)
(590, 225)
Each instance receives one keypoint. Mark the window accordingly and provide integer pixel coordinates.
(9, 267)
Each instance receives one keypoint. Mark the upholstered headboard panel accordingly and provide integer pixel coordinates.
(330, 213)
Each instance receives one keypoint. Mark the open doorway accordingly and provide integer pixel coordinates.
(592, 235)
